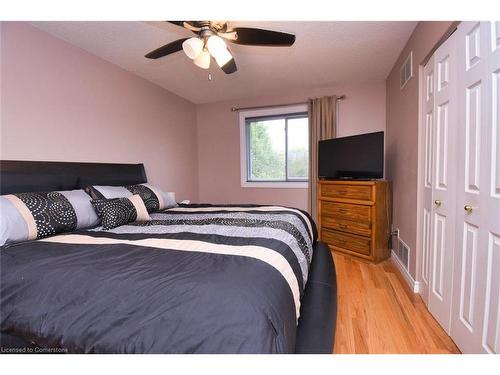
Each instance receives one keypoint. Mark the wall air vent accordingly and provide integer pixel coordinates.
(401, 259)
(401, 250)
(406, 71)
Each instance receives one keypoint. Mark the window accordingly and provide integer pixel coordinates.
(275, 147)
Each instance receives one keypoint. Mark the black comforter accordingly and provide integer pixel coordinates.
(196, 279)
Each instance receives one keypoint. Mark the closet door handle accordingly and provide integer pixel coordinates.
(468, 208)
(437, 202)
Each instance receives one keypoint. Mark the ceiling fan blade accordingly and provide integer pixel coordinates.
(178, 23)
(167, 49)
(229, 67)
(260, 37)
(187, 25)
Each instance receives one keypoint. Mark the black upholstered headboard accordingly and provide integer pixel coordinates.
(28, 176)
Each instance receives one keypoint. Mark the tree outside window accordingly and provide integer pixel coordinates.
(278, 148)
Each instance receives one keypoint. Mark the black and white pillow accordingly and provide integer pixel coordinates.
(154, 198)
(28, 216)
(120, 211)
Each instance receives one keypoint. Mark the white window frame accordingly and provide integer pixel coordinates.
(262, 112)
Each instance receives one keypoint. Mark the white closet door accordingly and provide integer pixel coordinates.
(444, 181)
(491, 198)
(427, 177)
(475, 311)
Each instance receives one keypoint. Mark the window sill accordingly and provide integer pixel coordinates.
(276, 185)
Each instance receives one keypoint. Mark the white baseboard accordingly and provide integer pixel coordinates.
(414, 285)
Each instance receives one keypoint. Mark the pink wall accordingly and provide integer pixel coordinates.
(59, 102)
(402, 133)
(362, 111)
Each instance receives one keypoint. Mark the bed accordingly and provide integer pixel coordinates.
(197, 278)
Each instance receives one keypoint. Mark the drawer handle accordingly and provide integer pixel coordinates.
(342, 192)
(343, 226)
(342, 242)
(342, 210)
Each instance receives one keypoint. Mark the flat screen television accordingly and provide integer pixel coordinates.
(355, 157)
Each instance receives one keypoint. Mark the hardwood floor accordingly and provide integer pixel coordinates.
(378, 313)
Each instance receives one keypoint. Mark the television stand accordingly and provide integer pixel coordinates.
(349, 179)
(356, 179)
(354, 217)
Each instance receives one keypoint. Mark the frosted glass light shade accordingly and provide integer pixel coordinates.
(218, 49)
(203, 60)
(192, 47)
(215, 44)
(223, 57)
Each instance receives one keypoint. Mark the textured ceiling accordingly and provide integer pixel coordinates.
(324, 53)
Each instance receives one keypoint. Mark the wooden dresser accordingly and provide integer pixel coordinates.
(353, 217)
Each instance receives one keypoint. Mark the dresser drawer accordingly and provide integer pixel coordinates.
(346, 211)
(359, 192)
(346, 241)
(362, 228)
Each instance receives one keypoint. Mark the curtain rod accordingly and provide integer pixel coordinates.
(235, 109)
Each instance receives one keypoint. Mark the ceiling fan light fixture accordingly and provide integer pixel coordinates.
(215, 44)
(223, 57)
(203, 60)
(211, 40)
(193, 47)
(218, 49)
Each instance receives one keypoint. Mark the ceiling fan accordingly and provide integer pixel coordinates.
(211, 42)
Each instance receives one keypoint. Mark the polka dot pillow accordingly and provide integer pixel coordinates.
(120, 211)
(153, 197)
(28, 216)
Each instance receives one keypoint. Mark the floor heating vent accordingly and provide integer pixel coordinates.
(401, 250)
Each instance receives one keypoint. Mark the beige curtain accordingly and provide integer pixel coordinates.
(322, 125)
